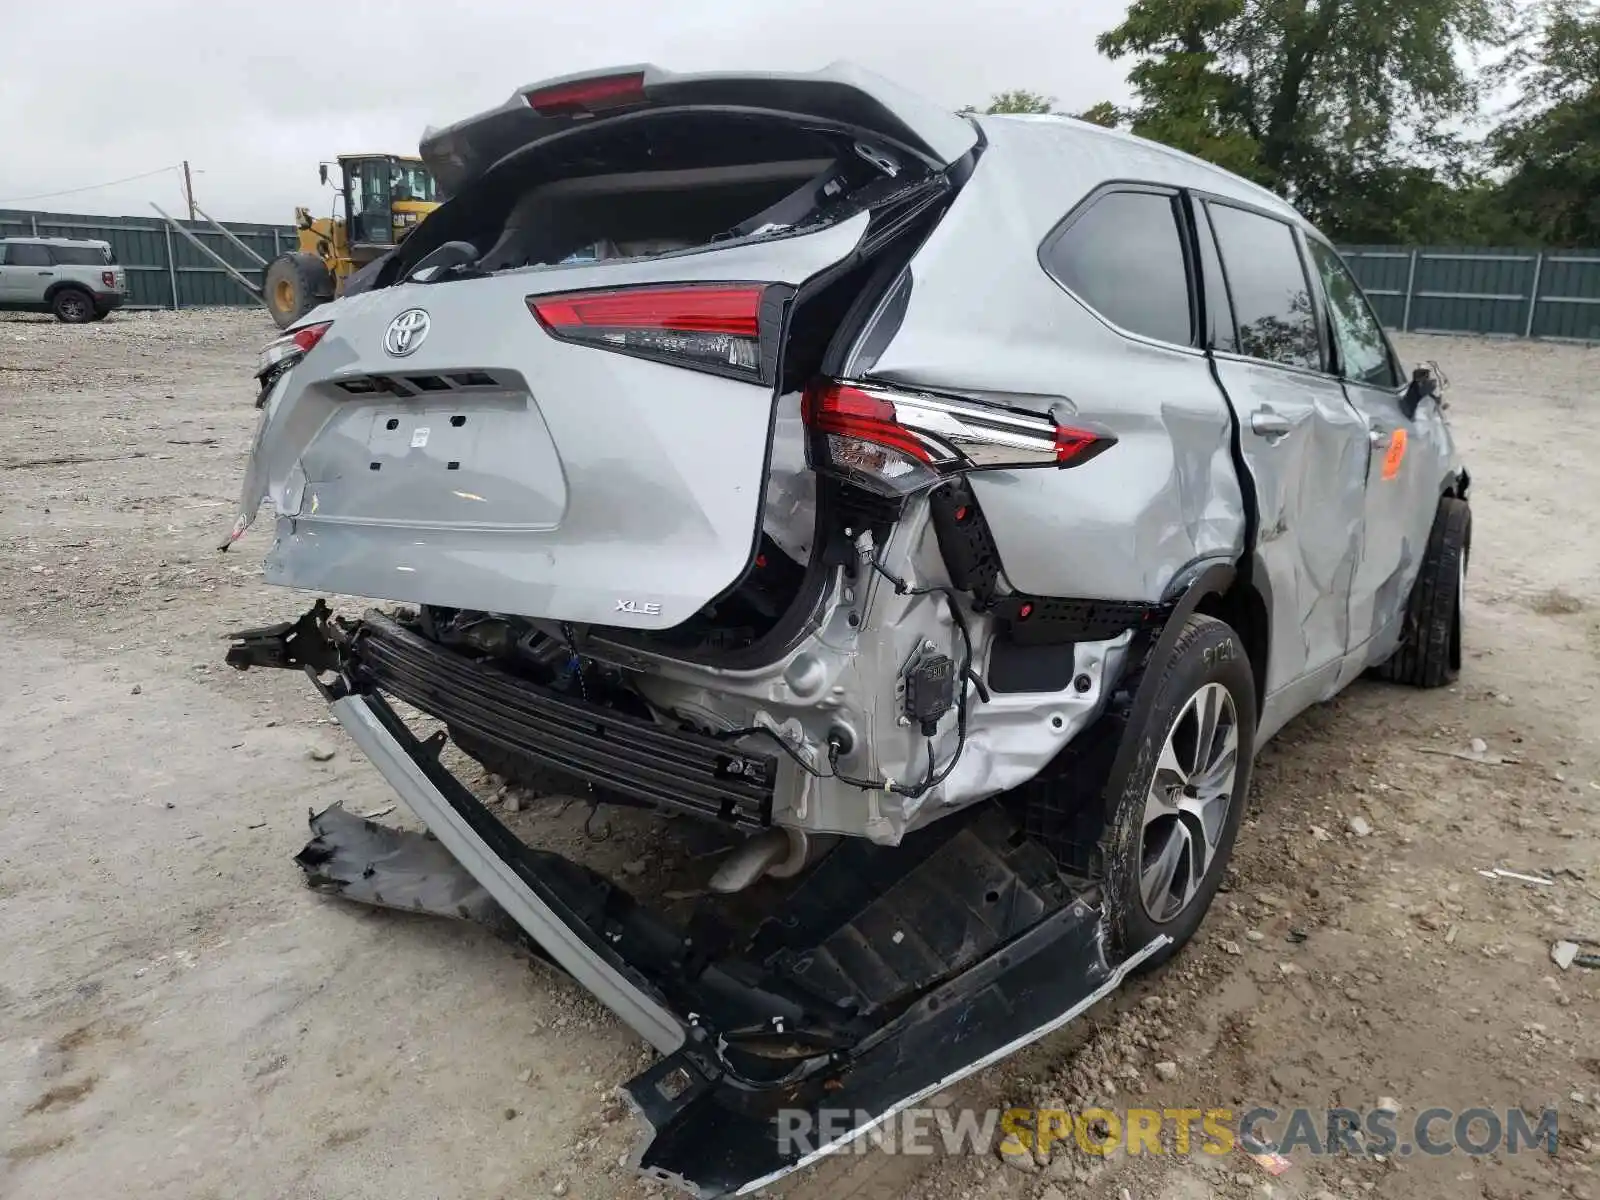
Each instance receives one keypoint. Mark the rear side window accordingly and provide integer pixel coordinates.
(1363, 350)
(1123, 257)
(1267, 281)
(79, 256)
(27, 254)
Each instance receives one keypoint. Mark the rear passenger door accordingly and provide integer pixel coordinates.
(1303, 444)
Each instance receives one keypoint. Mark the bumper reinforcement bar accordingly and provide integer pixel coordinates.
(614, 752)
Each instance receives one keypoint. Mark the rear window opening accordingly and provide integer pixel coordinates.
(664, 183)
(82, 256)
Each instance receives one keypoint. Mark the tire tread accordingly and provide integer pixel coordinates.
(1425, 658)
(1125, 796)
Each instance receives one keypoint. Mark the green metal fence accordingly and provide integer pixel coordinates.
(1421, 289)
(1512, 292)
(164, 270)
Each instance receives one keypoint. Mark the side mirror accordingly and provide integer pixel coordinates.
(322, 172)
(1427, 383)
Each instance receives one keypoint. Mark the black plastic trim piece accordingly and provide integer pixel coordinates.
(1053, 620)
(965, 543)
(1015, 667)
(288, 645)
(612, 751)
(1184, 593)
(706, 1137)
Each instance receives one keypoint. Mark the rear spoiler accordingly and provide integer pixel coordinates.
(841, 95)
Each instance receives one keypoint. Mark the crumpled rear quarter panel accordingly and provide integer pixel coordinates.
(984, 317)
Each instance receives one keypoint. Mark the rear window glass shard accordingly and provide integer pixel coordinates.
(1123, 257)
(1268, 285)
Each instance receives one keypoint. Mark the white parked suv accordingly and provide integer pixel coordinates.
(76, 280)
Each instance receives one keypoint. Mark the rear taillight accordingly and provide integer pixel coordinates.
(897, 442)
(109, 278)
(278, 355)
(712, 327)
(587, 95)
(309, 336)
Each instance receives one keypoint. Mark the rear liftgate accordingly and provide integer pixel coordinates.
(886, 975)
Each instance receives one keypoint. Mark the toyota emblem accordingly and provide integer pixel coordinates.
(405, 332)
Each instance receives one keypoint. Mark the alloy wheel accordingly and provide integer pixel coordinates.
(1186, 807)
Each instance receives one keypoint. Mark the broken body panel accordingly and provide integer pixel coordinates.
(880, 978)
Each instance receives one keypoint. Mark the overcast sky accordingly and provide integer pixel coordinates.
(255, 94)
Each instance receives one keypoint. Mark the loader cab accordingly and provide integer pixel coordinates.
(385, 196)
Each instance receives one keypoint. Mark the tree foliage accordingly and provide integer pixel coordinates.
(1369, 114)
(1548, 147)
(1019, 100)
(1104, 113)
(1317, 99)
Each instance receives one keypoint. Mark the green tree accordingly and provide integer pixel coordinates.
(1106, 114)
(1548, 145)
(1018, 100)
(1316, 99)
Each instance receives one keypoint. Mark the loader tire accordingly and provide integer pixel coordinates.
(296, 283)
(1430, 648)
(1180, 803)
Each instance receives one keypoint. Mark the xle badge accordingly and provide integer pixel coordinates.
(638, 608)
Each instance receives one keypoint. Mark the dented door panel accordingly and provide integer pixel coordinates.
(1308, 464)
(1408, 463)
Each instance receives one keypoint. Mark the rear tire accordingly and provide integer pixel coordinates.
(1174, 818)
(72, 306)
(295, 283)
(1430, 649)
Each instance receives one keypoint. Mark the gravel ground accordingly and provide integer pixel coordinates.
(180, 1016)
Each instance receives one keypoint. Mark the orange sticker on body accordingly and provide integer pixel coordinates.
(1395, 455)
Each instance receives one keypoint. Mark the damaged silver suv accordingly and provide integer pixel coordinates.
(948, 507)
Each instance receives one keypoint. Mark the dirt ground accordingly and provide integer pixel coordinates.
(180, 1017)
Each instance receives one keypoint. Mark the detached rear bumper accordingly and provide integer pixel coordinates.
(891, 973)
(489, 852)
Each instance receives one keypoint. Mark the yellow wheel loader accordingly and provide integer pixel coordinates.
(384, 196)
